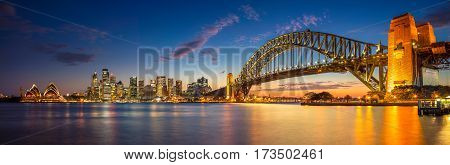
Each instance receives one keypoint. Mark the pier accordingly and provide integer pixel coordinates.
(434, 106)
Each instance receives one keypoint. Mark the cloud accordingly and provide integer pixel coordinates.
(439, 17)
(296, 24)
(320, 85)
(208, 32)
(7, 10)
(50, 47)
(249, 12)
(299, 23)
(71, 58)
(9, 21)
(243, 40)
(61, 54)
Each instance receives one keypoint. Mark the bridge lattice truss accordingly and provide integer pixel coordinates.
(306, 53)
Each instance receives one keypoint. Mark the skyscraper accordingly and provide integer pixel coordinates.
(161, 86)
(153, 88)
(120, 94)
(178, 87)
(141, 89)
(106, 86)
(95, 88)
(133, 88)
(112, 81)
(170, 87)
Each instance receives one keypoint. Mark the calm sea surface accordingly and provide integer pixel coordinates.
(217, 124)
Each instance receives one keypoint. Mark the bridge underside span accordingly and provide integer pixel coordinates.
(308, 53)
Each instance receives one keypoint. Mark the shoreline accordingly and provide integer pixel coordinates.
(306, 104)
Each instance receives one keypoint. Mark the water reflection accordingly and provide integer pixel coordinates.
(218, 124)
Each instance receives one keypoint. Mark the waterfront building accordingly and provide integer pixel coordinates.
(147, 93)
(119, 91)
(106, 86)
(199, 88)
(112, 81)
(94, 91)
(178, 87)
(161, 86)
(133, 90)
(51, 94)
(141, 89)
(170, 87)
(153, 87)
(126, 94)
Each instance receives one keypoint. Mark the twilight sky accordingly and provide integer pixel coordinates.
(66, 41)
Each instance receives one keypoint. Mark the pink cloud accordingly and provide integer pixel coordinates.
(208, 32)
(299, 23)
(249, 12)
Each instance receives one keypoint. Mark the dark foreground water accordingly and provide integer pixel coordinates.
(217, 124)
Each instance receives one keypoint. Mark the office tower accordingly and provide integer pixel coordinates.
(119, 91)
(126, 94)
(95, 88)
(133, 88)
(170, 87)
(178, 87)
(106, 86)
(112, 81)
(161, 86)
(147, 93)
(152, 89)
(141, 89)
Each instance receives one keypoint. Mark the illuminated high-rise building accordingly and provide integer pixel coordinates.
(178, 87)
(133, 88)
(120, 95)
(153, 85)
(106, 86)
(147, 93)
(141, 89)
(161, 86)
(112, 81)
(170, 87)
(95, 88)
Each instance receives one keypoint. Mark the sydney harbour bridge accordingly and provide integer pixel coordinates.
(410, 50)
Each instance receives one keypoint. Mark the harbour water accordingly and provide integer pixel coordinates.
(185, 123)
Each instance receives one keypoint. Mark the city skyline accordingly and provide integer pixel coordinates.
(67, 53)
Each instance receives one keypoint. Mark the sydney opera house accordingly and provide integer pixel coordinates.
(51, 94)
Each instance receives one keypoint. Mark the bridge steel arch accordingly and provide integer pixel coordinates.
(309, 52)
